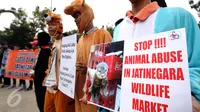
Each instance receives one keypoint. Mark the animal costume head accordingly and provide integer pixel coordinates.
(86, 13)
(52, 18)
(43, 39)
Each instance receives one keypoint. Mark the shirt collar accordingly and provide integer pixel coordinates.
(144, 13)
(91, 30)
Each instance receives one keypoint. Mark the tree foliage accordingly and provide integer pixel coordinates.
(23, 28)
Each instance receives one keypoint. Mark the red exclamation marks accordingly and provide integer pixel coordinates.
(164, 41)
(160, 43)
(156, 43)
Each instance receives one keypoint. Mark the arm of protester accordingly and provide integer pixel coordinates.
(193, 39)
(47, 70)
(44, 81)
(59, 51)
(81, 68)
(195, 105)
(84, 99)
(103, 36)
(180, 18)
(85, 88)
(43, 62)
(107, 36)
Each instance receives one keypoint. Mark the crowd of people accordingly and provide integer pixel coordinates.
(11, 83)
(153, 16)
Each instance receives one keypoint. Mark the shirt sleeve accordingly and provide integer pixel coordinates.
(193, 39)
(180, 18)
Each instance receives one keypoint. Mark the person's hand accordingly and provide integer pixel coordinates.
(55, 87)
(195, 105)
(44, 81)
(32, 76)
(84, 99)
(81, 68)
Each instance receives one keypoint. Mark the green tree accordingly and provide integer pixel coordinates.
(37, 22)
(67, 33)
(12, 10)
(22, 29)
(110, 29)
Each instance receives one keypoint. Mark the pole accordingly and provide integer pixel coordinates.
(51, 6)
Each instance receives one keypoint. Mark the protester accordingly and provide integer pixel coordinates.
(1, 56)
(3, 64)
(158, 20)
(22, 83)
(34, 43)
(34, 46)
(116, 29)
(29, 47)
(55, 100)
(41, 65)
(83, 15)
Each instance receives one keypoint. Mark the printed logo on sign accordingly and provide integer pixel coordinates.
(118, 67)
(174, 35)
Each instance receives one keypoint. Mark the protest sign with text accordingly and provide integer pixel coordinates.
(67, 65)
(155, 74)
(20, 63)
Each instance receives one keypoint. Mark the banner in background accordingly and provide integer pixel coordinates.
(20, 63)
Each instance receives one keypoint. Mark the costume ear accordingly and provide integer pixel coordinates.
(80, 2)
(83, 2)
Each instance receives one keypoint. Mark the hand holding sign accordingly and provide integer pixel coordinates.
(55, 87)
(80, 67)
(84, 99)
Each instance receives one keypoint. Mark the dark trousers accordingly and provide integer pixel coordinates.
(22, 82)
(1, 79)
(40, 94)
(14, 81)
(31, 84)
(6, 81)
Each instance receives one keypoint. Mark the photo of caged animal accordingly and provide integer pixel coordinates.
(99, 81)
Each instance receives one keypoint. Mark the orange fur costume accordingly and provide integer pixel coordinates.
(55, 100)
(92, 37)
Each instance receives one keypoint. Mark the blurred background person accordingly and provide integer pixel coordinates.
(4, 50)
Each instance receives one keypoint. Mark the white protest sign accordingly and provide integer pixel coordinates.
(67, 65)
(155, 74)
(51, 78)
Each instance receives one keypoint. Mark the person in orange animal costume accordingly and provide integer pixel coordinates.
(83, 15)
(55, 100)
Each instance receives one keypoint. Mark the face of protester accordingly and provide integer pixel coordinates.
(134, 1)
(34, 46)
(77, 19)
(4, 47)
(16, 47)
(27, 48)
(52, 27)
